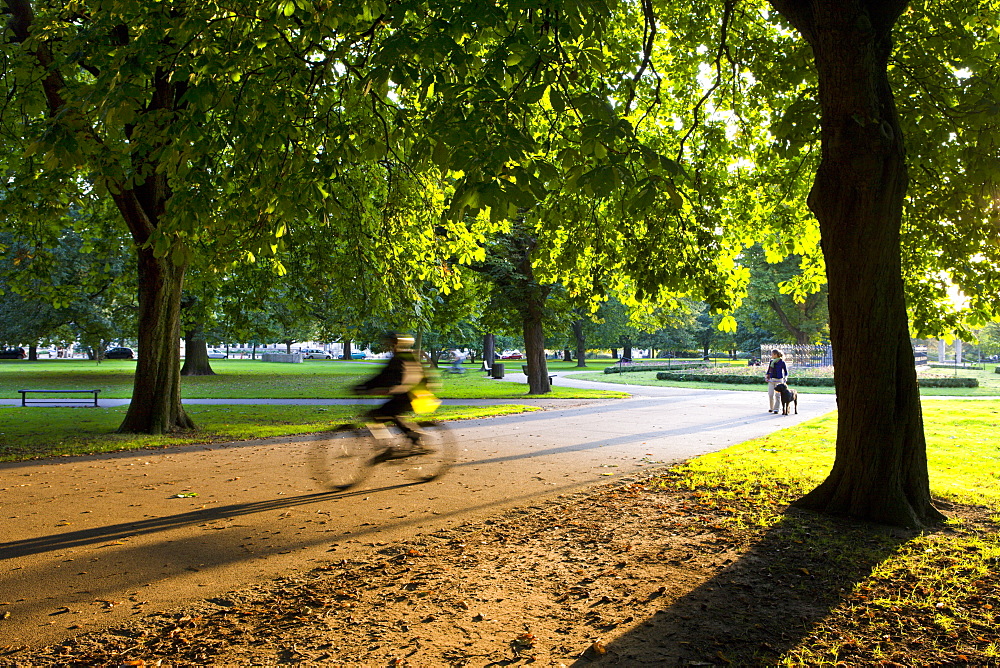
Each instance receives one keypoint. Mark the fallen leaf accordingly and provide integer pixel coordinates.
(525, 641)
(599, 648)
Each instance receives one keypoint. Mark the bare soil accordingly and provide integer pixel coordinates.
(641, 572)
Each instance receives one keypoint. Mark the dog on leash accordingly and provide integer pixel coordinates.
(788, 396)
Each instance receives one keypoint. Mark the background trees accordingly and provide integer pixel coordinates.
(66, 287)
(630, 149)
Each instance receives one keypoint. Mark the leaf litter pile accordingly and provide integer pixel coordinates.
(657, 571)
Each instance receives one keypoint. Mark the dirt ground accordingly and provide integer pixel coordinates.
(638, 572)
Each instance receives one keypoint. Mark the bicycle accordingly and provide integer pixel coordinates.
(352, 450)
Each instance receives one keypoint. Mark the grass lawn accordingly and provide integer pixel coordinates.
(989, 383)
(903, 598)
(963, 454)
(252, 379)
(32, 433)
(649, 378)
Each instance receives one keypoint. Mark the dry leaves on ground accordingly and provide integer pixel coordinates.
(636, 573)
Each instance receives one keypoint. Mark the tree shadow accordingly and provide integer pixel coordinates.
(755, 608)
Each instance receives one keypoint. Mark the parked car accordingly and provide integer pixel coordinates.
(511, 355)
(216, 354)
(119, 354)
(12, 354)
(358, 356)
(315, 354)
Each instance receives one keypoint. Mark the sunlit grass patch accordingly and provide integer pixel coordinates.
(962, 453)
(920, 598)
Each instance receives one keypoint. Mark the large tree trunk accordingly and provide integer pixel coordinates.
(567, 355)
(196, 362)
(880, 471)
(532, 311)
(156, 394)
(534, 349)
(140, 191)
(581, 343)
(347, 350)
(33, 351)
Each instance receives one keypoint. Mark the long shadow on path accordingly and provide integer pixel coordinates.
(760, 606)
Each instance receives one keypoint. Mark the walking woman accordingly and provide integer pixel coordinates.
(777, 373)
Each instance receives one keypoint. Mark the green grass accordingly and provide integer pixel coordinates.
(963, 455)
(31, 433)
(989, 383)
(895, 597)
(252, 379)
(649, 378)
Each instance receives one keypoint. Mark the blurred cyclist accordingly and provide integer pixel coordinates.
(457, 357)
(402, 378)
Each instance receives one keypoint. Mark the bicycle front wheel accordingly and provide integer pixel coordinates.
(342, 458)
(436, 453)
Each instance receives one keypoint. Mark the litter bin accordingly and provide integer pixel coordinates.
(497, 371)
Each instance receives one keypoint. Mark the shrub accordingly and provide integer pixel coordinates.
(625, 368)
(948, 382)
(797, 381)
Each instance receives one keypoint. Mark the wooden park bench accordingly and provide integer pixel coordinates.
(25, 393)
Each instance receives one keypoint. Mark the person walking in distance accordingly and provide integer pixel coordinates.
(776, 374)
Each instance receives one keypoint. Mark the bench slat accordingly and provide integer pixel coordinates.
(25, 393)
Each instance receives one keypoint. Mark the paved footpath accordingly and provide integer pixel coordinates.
(87, 542)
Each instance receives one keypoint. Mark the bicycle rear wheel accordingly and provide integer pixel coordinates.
(342, 458)
(436, 455)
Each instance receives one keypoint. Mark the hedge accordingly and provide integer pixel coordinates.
(655, 367)
(800, 382)
(948, 382)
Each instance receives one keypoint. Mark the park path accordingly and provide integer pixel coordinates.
(87, 542)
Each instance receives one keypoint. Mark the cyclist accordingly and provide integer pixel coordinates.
(400, 379)
(457, 357)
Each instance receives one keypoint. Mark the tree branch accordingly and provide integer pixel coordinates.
(649, 38)
(783, 317)
(21, 19)
(727, 14)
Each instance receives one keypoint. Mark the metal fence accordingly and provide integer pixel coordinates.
(796, 354)
(813, 355)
